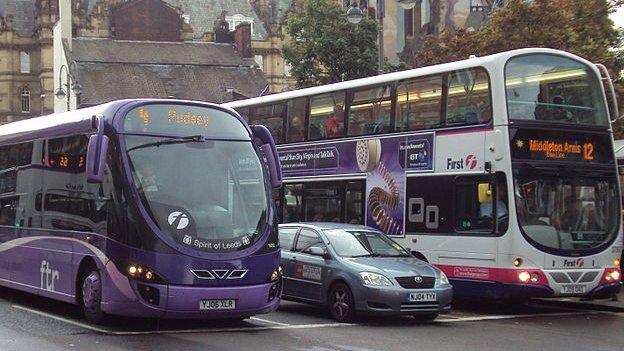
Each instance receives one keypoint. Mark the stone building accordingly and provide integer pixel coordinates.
(27, 67)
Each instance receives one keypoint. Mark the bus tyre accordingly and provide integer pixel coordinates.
(427, 317)
(341, 303)
(92, 297)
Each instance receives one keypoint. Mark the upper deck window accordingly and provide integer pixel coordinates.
(370, 111)
(553, 88)
(327, 116)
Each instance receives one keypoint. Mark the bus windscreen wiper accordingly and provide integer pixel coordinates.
(172, 140)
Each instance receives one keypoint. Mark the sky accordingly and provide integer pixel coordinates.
(618, 17)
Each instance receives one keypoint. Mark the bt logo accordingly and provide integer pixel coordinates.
(48, 276)
(469, 162)
(178, 220)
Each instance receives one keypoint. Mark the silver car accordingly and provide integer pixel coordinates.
(355, 269)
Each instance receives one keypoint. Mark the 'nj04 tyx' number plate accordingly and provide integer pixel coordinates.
(422, 297)
(226, 304)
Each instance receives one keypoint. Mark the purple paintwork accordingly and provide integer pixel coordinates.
(45, 262)
(270, 153)
(96, 158)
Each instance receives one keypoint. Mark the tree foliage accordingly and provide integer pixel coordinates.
(326, 48)
(581, 27)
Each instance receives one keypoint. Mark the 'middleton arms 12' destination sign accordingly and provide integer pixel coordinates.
(529, 144)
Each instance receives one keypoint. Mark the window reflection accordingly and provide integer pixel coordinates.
(418, 103)
(370, 111)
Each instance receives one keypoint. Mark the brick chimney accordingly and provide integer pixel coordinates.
(242, 39)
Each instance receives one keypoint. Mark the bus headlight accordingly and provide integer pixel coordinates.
(139, 272)
(276, 274)
(374, 279)
(611, 275)
(443, 279)
(524, 276)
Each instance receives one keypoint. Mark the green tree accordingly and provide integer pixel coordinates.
(326, 48)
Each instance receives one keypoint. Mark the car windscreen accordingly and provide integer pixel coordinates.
(360, 243)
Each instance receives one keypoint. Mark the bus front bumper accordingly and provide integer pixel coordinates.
(187, 302)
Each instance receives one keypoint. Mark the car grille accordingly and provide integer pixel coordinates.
(416, 306)
(410, 282)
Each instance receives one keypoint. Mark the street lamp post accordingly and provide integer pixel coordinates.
(71, 84)
(355, 15)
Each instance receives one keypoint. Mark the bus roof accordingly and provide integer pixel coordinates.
(390, 77)
(70, 122)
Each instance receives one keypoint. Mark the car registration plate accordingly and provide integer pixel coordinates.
(225, 304)
(422, 297)
(573, 289)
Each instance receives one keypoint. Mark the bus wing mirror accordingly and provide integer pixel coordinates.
(270, 153)
(96, 154)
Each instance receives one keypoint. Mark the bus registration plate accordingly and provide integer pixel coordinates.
(573, 289)
(217, 304)
(422, 297)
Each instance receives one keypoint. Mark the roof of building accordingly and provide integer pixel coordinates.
(110, 69)
(203, 14)
(23, 12)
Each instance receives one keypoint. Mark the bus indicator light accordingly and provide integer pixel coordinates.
(616, 262)
(517, 262)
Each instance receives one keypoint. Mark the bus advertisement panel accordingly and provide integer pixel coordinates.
(382, 161)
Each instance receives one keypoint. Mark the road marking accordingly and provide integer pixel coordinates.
(62, 319)
(498, 317)
(283, 326)
(267, 321)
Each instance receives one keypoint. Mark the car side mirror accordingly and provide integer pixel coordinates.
(96, 152)
(318, 251)
(270, 153)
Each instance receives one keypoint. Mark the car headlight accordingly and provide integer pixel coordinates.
(443, 279)
(374, 279)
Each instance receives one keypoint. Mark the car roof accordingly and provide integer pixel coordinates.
(327, 225)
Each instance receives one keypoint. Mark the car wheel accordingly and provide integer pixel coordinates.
(341, 304)
(91, 301)
(428, 317)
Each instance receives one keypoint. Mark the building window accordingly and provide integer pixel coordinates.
(287, 70)
(25, 96)
(234, 21)
(409, 22)
(259, 61)
(24, 62)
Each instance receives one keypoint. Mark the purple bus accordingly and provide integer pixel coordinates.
(147, 208)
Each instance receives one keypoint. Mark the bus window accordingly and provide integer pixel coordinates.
(323, 202)
(327, 116)
(354, 197)
(553, 88)
(296, 120)
(245, 112)
(418, 103)
(468, 99)
(473, 212)
(272, 117)
(293, 203)
(370, 111)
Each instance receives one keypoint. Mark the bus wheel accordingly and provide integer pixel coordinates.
(92, 297)
(341, 304)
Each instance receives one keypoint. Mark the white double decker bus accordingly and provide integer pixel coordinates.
(499, 169)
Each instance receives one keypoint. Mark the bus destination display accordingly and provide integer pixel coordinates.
(529, 144)
(183, 120)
